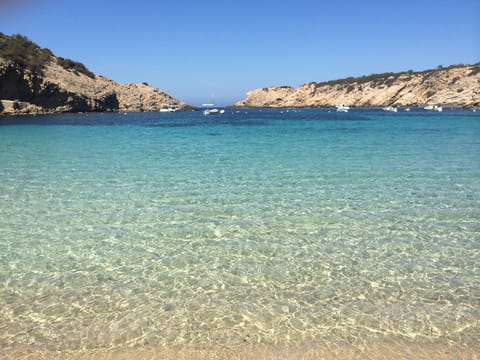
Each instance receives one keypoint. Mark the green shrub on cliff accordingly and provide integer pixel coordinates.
(21, 50)
(74, 66)
(388, 78)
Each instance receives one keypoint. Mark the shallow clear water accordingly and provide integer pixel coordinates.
(267, 227)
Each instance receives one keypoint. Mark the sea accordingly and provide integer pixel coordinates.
(274, 233)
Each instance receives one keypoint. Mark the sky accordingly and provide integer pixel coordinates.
(218, 50)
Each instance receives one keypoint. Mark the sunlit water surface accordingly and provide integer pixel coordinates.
(251, 228)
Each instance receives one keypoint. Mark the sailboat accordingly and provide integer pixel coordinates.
(211, 109)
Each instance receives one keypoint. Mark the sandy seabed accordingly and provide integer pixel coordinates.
(306, 352)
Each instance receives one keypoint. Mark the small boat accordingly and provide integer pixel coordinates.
(390, 108)
(169, 107)
(343, 108)
(212, 110)
(433, 108)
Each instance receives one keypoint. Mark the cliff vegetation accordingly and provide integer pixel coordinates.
(455, 85)
(35, 81)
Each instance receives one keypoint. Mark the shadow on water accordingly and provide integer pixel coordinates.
(160, 120)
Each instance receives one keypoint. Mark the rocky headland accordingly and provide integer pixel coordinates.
(454, 86)
(35, 81)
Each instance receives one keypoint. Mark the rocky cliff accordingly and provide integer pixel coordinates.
(456, 86)
(34, 81)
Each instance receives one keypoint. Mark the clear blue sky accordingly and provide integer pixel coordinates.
(223, 48)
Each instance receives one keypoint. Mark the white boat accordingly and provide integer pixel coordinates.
(390, 108)
(169, 107)
(433, 108)
(213, 111)
(343, 108)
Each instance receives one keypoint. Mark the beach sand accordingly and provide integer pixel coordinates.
(306, 352)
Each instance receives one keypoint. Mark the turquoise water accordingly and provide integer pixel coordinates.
(258, 227)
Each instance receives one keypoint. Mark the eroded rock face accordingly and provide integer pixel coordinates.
(59, 90)
(455, 86)
(15, 83)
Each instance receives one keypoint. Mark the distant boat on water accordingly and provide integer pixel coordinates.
(169, 107)
(433, 108)
(343, 108)
(390, 108)
(211, 110)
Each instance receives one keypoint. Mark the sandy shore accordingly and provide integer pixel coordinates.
(306, 352)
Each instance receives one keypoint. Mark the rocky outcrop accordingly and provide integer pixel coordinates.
(456, 86)
(59, 90)
(56, 85)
